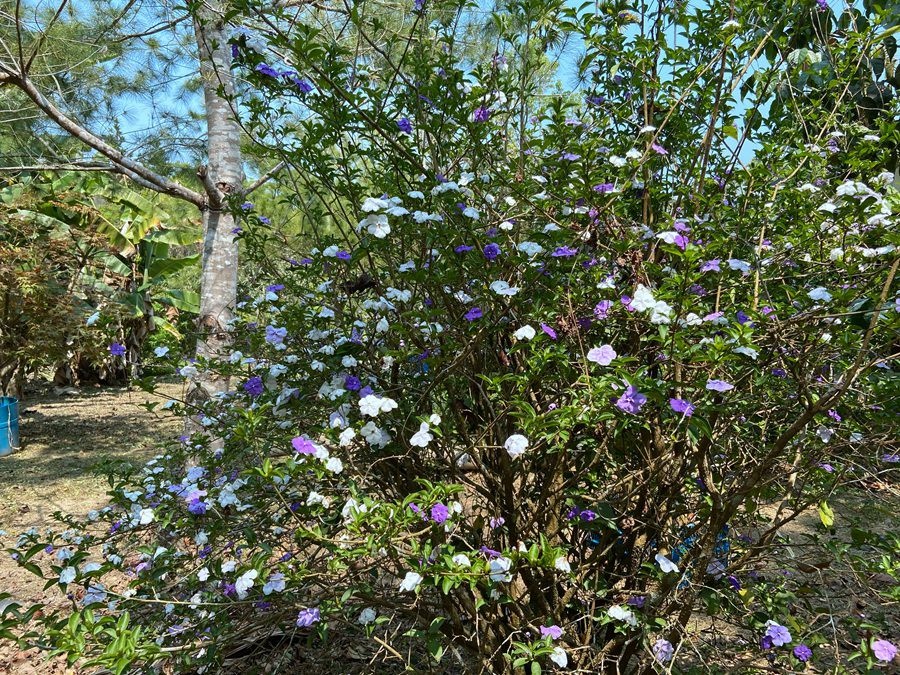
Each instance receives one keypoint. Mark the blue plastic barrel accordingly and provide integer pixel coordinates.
(9, 425)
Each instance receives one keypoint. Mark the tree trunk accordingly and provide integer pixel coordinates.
(222, 177)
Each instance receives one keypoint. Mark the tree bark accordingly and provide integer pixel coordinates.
(222, 177)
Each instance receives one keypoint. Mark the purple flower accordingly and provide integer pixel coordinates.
(482, 114)
(549, 331)
(802, 653)
(266, 69)
(254, 386)
(352, 383)
(601, 311)
(587, 515)
(564, 252)
(492, 251)
(473, 314)
(604, 188)
(778, 634)
(307, 617)
(496, 522)
(884, 650)
(343, 255)
(570, 157)
(631, 400)
(274, 288)
(663, 651)
(275, 336)
(463, 248)
(553, 632)
(196, 505)
(439, 513)
(116, 349)
(301, 84)
(891, 459)
(658, 149)
(489, 552)
(637, 601)
(303, 446)
(681, 406)
(711, 266)
(404, 125)
(719, 385)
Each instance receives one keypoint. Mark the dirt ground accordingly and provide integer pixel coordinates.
(66, 438)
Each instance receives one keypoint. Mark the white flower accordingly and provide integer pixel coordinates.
(161, 351)
(820, 293)
(559, 657)
(617, 161)
(824, 433)
(462, 560)
(471, 212)
(92, 319)
(147, 516)
(376, 224)
(524, 333)
(746, 351)
(661, 312)
(244, 583)
(643, 299)
(96, 593)
(562, 564)
(740, 265)
(515, 445)
(501, 287)
(367, 616)
(411, 581)
(665, 564)
(506, 225)
(500, 569)
(274, 584)
(67, 575)
(372, 405)
(603, 355)
(372, 204)
(422, 437)
(620, 613)
(530, 248)
(203, 574)
(334, 465)
(346, 437)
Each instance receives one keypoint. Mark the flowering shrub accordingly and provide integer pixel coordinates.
(525, 405)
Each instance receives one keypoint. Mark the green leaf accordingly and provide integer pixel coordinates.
(164, 267)
(826, 515)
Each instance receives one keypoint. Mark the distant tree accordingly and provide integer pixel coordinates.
(71, 68)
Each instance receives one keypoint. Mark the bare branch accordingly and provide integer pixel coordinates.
(134, 170)
(61, 167)
(40, 41)
(265, 178)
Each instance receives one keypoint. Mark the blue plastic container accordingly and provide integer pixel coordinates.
(9, 425)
